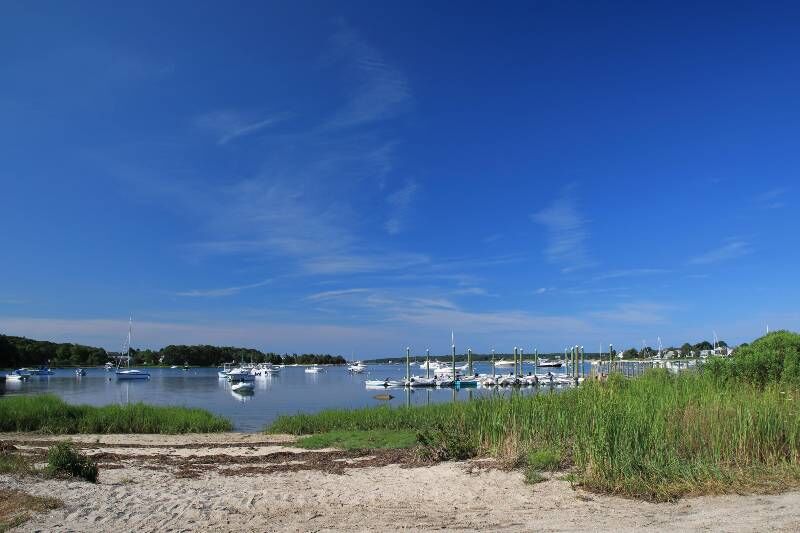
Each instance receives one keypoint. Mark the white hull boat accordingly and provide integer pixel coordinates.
(132, 374)
(240, 374)
(242, 387)
(421, 382)
(313, 370)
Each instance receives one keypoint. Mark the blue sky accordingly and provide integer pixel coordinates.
(362, 176)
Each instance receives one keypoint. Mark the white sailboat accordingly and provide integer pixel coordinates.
(130, 373)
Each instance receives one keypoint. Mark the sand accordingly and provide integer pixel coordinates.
(257, 483)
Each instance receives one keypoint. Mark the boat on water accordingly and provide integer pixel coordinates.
(41, 371)
(372, 383)
(503, 362)
(109, 366)
(271, 369)
(18, 375)
(130, 373)
(240, 374)
(545, 363)
(314, 369)
(418, 381)
(357, 368)
(243, 387)
(80, 372)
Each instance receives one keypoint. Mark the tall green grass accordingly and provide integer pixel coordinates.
(49, 414)
(658, 437)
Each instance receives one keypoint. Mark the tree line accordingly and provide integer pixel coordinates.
(16, 352)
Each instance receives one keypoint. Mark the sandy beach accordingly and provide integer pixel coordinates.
(250, 482)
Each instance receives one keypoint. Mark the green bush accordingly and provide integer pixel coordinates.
(63, 459)
(773, 358)
(446, 442)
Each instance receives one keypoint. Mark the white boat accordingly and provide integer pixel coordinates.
(132, 374)
(109, 366)
(174, 366)
(314, 369)
(243, 386)
(18, 375)
(418, 381)
(503, 362)
(357, 368)
(272, 369)
(80, 372)
(376, 383)
(544, 363)
(240, 374)
(129, 373)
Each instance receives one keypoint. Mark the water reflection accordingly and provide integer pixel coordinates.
(291, 391)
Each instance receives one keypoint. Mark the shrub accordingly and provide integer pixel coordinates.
(773, 358)
(63, 459)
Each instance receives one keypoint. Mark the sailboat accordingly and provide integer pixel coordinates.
(130, 373)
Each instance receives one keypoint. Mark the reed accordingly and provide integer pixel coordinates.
(657, 437)
(49, 414)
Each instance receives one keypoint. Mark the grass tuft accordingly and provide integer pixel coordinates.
(64, 460)
(50, 414)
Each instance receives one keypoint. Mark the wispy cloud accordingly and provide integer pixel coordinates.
(566, 233)
(771, 199)
(230, 125)
(634, 313)
(332, 295)
(633, 272)
(730, 250)
(399, 202)
(381, 90)
(225, 291)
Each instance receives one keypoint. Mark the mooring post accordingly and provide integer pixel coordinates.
(408, 368)
(469, 360)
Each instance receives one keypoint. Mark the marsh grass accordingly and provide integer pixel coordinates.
(49, 414)
(656, 437)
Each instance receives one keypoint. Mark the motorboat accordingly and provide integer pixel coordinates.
(504, 362)
(357, 368)
(109, 366)
(18, 375)
(376, 383)
(243, 387)
(545, 363)
(132, 374)
(80, 372)
(240, 374)
(313, 369)
(418, 381)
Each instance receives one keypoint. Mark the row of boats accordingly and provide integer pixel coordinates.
(445, 378)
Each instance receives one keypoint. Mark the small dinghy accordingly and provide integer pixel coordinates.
(243, 387)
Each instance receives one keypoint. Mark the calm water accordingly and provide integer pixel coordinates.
(291, 391)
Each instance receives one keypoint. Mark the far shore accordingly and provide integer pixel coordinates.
(256, 482)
